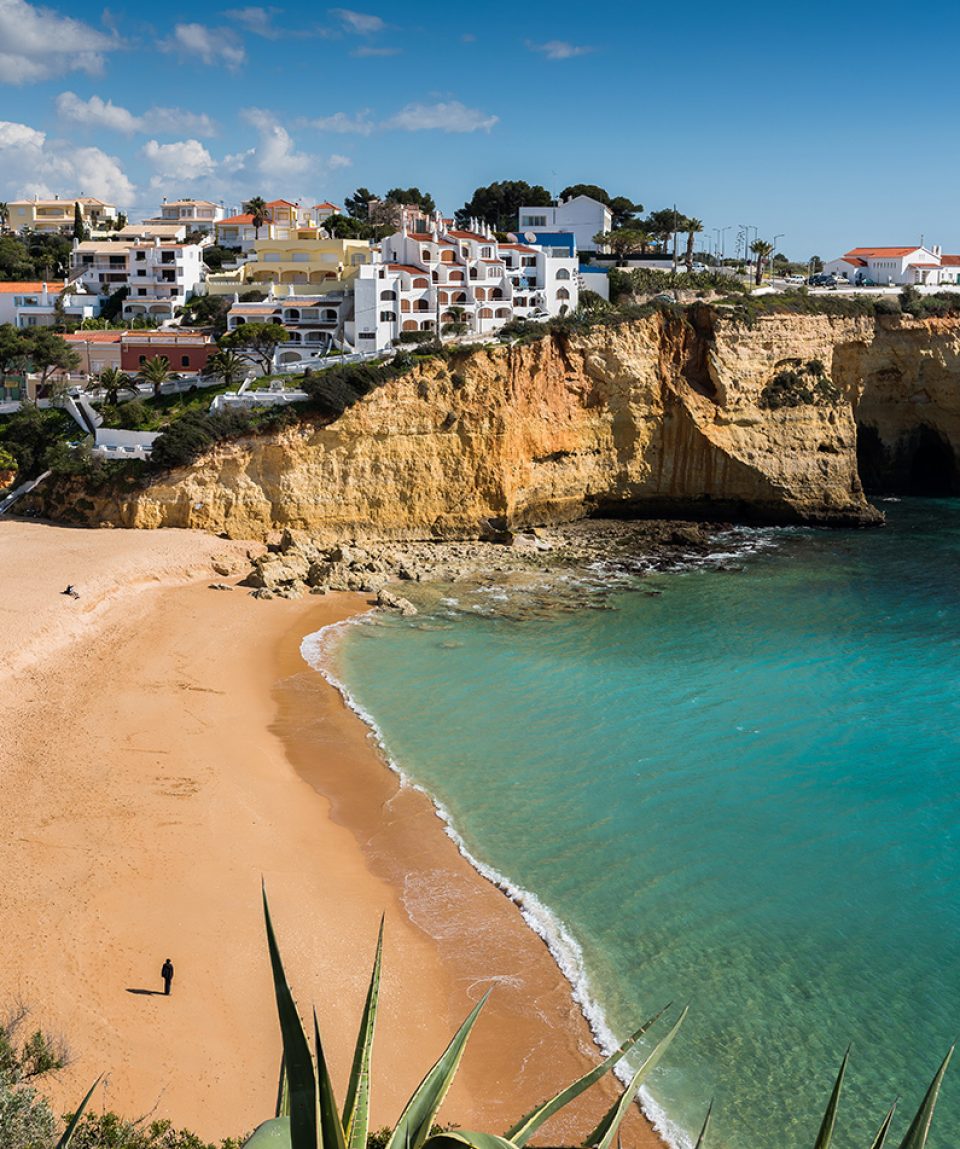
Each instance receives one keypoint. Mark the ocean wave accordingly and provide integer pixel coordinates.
(317, 650)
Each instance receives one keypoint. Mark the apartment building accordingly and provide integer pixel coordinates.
(192, 214)
(281, 218)
(315, 325)
(186, 351)
(55, 215)
(307, 261)
(581, 216)
(446, 274)
(160, 277)
(45, 304)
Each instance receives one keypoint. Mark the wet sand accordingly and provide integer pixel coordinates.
(163, 747)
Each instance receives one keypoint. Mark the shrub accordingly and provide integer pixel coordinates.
(194, 434)
(801, 385)
(417, 337)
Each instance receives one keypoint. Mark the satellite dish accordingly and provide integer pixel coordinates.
(530, 236)
(511, 238)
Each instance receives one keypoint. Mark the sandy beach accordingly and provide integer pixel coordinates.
(163, 747)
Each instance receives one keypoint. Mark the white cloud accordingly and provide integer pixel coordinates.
(560, 49)
(183, 162)
(32, 164)
(334, 162)
(212, 45)
(257, 20)
(360, 124)
(275, 155)
(362, 23)
(36, 43)
(451, 116)
(448, 116)
(99, 113)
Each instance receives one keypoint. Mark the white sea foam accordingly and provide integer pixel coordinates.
(317, 650)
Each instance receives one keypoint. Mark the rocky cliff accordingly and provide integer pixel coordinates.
(701, 417)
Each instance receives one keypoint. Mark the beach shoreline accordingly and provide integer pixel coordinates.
(198, 751)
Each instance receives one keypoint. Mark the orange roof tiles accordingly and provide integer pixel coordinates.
(407, 267)
(280, 203)
(244, 217)
(470, 235)
(884, 252)
(336, 207)
(950, 260)
(93, 336)
(29, 288)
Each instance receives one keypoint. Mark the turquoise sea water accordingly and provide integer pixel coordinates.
(743, 793)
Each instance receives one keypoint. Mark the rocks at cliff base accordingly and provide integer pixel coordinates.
(397, 603)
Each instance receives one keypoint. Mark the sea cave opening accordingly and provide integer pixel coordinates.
(922, 462)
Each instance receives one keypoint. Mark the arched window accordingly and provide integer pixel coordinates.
(448, 317)
(328, 315)
(426, 256)
(388, 295)
(422, 305)
(480, 293)
(455, 277)
(503, 313)
(460, 297)
(388, 316)
(405, 305)
(562, 293)
(447, 256)
(563, 273)
(293, 315)
(496, 293)
(486, 313)
(409, 325)
(441, 296)
(420, 283)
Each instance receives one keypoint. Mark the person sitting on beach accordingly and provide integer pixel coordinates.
(166, 972)
(71, 591)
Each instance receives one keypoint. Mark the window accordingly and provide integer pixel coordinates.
(388, 316)
(486, 252)
(563, 273)
(184, 360)
(143, 360)
(420, 283)
(141, 255)
(562, 293)
(426, 256)
(534, 221)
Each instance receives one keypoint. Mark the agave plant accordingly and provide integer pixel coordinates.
(308, 1116)
(64, 1142)
(916, 1135)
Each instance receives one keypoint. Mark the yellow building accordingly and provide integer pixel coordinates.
(57, 214)
(304, 263)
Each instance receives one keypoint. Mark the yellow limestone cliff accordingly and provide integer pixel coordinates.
(699, 417)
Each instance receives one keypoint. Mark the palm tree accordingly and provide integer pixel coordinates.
(257, 207)
(761, 249)
(156, 372)
(113, 381)
(693, 226)
(226, 365)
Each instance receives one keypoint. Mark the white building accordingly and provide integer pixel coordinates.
(193, 214)
(57, 214)
(45, 304)
(581, 216)
(314, 325)
(895, 265)
(159, 277)
(445, 275)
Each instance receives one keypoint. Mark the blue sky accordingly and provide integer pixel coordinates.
(834, 124)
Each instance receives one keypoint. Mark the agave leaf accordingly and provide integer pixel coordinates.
(602, 1137)
(283, 1091)
(298, 1062)
(916, 1136)
(524, 1129)
(356, 1107)
(75, 1119)
(417, 1117)
(331, 1131)
(458, 1138)
(273, 1134)
(884, 1128)
(830, 1116)
(706, 1126)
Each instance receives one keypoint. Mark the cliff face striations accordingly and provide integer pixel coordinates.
(702, 417)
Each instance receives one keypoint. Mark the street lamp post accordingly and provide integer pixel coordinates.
(782, 235)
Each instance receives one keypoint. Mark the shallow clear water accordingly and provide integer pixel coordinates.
(743, 793)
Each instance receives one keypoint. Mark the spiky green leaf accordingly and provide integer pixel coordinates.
(881, 1137)
(467, 1139)
(916, 1136)
(525, 1128)
(829, 1121)
(301, 1078)
(331, 1130)
(415, 1121)
(75, 1119)
(602, 1137)
(706, 1125)
(283, 1092)
(273, 1134)
(356, 1107)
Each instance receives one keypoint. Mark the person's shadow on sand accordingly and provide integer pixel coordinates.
(147, 992)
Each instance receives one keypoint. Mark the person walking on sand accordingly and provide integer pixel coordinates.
(166, 972)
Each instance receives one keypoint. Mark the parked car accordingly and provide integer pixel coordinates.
(698, 267)
(794, 279)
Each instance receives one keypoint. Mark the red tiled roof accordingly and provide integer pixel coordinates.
(885, 252)
(950, 260)
(244, 217)
(407, 267)
(519, 247)
(853, 260)
(336, 207)
(29, 288)
(280, 203)
(470, 235)
(924, 264)
(94, 336)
